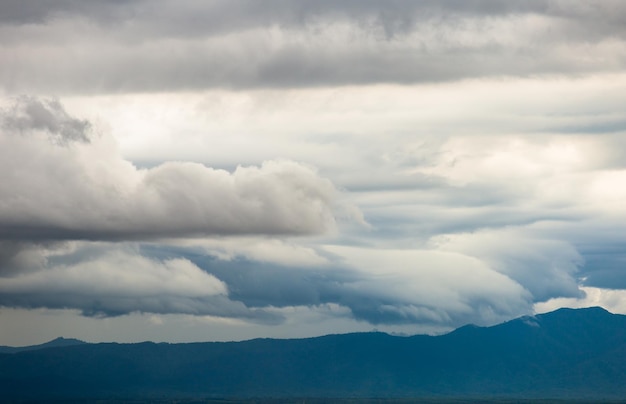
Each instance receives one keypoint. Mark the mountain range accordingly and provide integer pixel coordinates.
(565, 354)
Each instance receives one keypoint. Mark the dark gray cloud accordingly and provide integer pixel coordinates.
(605, 261)
(393, 16)
(155, 46)
(600, 244)
(21, 256)
(41, 11)
(32, 114)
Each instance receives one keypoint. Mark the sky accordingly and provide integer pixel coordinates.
(226, 170)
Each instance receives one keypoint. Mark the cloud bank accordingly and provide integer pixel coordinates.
(380, 287)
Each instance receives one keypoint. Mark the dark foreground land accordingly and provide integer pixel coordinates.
(334, 401)
(567, 355)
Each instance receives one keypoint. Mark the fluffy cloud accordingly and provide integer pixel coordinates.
(58, 182)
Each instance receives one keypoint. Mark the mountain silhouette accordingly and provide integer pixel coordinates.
(568, 353)
(57, 342)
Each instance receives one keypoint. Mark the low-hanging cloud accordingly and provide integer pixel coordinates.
(428, 286)
(376, 286)
(546, 268)
(114, 281)
(60, 182)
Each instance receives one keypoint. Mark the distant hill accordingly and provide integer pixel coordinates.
(564, 354)
(57, 342)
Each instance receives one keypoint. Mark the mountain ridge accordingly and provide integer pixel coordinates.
(575, 353)
(62, 341)
(55, 343)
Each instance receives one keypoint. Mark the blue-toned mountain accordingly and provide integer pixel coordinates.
(564, 354)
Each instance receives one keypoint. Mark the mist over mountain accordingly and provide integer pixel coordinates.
(567, 353)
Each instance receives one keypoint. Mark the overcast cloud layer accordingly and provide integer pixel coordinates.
(232, 169)
(159, 45)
